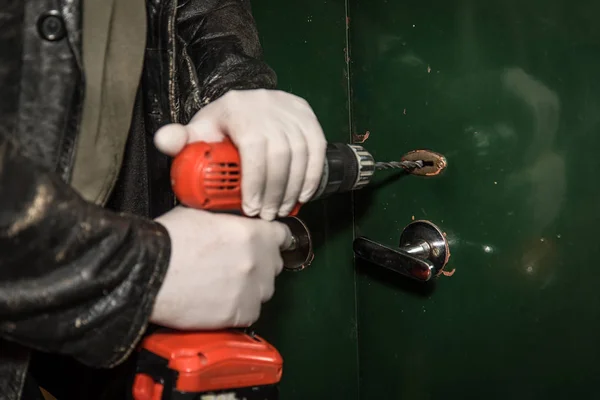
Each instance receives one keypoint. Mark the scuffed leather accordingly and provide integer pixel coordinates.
(49, 108)
(77, 279)
(13, 369)
(198, 50)
(72, 273)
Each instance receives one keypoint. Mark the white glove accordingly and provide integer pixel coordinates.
(280, 141)
(222, 268)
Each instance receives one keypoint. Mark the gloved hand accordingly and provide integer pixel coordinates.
(222, 268)
(280, 141)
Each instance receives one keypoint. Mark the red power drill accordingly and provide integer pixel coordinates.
(231, 364)
(208, 175)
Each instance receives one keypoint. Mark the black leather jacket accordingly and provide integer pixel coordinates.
(77, 279)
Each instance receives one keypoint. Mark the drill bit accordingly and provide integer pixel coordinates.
(406, 165)
(417, 162)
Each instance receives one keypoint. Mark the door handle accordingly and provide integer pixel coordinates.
(422, 254)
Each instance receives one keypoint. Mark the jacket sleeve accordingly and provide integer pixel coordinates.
(221, 47)
(75, 279)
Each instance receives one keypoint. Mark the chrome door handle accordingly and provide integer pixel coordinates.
(423, 252)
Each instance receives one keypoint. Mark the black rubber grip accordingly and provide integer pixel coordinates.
(343, 170)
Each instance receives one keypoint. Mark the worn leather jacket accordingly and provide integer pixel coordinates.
(78, 279)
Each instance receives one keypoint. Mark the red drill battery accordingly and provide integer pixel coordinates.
(220, 365)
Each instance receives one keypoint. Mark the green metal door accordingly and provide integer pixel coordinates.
(509, 92)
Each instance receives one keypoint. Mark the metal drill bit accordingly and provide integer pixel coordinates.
(407, 165)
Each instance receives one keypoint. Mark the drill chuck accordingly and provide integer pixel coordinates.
(347, 167)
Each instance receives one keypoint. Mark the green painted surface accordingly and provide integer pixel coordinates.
(311, 319)
(509, 92)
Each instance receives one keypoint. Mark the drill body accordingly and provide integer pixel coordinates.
(208, 175)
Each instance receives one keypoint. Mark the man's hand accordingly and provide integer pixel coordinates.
(281, 144)
(222, 268)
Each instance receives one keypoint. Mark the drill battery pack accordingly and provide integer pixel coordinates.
(220, 365)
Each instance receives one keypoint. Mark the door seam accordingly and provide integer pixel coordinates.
(347, 60)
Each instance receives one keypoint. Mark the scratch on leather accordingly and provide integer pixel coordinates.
(34, 213)
(190, 110)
